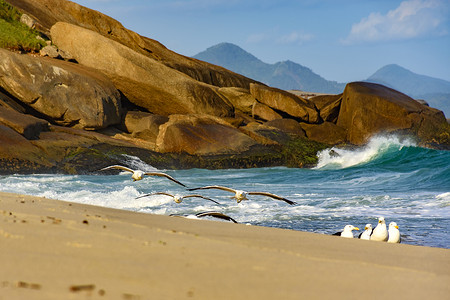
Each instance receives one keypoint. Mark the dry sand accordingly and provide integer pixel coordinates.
(53, 249)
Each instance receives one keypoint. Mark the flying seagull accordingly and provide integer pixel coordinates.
(380, 232)
(394, 233)
(348, 231)
(178, 198)
(365, 235)
(215, 214)
(138, 174)
(240, 195)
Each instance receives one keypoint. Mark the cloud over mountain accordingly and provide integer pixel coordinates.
(411, 19)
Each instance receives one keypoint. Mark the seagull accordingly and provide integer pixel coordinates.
(380, 232)
(215, 214)
(240, 195)
(348, 231)
(365, 235)
(138, 174)
(394, 233)
(178, 198)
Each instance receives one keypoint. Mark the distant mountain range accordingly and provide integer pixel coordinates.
(288, 75)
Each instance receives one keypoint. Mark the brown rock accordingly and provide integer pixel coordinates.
(48, 12)
(266, 135)
(286, 102)
(327, 132)
(168, 91)
(369, 108)
(144, 125)
(65, 93)
(328, 106)
(264, 112)
(28, 126)
(239, 97)
(288, 126)
(201, 135)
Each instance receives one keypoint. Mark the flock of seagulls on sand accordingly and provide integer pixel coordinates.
(379, 233)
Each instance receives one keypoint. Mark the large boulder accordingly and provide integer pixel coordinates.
(285, 102)
(48, 12)
(328, 106)
(264, 112)
(326, 132)
(28, 126)
(62, 92)
(167, 91)
(201, 135)
(144, 125)
(369, 108)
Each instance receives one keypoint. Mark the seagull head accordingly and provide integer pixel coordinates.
(368, 227)
(393, 225)
(177, 199)
(240, 195)
(381, 220)
(349, 228)
(137, 175)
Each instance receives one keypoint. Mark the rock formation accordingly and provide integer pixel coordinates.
(121, 93)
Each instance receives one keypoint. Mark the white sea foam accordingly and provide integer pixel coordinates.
(343, 158)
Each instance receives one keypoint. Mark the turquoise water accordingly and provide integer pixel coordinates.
(390, 178)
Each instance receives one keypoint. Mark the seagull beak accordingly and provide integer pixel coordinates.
(396, 227)
(355, 228)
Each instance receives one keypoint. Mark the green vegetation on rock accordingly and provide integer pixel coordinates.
(14, 34)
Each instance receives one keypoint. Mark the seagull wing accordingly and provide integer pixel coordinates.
(337, 233)
(164, 175)
(273, 196)
(200, 196)
(119, 168)
(152, 194)
(216, 215)
(218, 187)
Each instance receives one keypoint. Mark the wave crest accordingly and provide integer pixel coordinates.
(336, 158)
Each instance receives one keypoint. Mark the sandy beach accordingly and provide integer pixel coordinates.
(53, 249)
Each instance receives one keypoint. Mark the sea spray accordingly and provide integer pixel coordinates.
(344, 158)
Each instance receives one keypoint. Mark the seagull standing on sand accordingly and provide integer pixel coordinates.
(348, 231)
(394, 233)
(240, 195)
(365, 235)
(178, 198)
(380, 232)
(138, 174)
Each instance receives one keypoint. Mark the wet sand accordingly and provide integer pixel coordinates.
(53, 249)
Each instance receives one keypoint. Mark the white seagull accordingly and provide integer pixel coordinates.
(380, 232)
(138, 174)
(348, 231)
(240, 195)
(178, 198)
(365, 235)
(214, 214)
(394, 233)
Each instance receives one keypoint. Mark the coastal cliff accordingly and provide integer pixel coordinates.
(98, 91)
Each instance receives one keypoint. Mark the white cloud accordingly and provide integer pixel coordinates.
(295, 38)
(411, 19)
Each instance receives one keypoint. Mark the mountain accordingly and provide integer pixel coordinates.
(286, 75)
(435, 91)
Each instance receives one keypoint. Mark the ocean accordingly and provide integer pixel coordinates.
(388, 177)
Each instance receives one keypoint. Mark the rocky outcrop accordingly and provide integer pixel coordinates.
(65, 93)
(201, 135)
(167, 91)
(122, 93)
(285, 102)
(369, 108)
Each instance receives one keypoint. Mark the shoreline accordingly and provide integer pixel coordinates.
(52, 249)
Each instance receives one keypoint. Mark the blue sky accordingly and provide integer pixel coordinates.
(342, 40)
